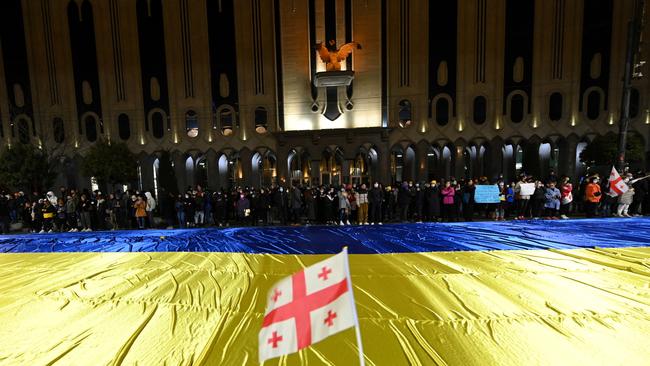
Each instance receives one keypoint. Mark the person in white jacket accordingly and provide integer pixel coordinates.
(624, 201)
(151, 206)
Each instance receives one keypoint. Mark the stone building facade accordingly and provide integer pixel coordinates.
(441, 88)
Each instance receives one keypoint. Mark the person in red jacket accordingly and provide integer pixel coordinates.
(566, 189)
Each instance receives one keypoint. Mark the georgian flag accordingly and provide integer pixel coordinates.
(616, 185)
(308, 307)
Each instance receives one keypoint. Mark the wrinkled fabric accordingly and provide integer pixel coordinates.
(397, 238)
(529, 307)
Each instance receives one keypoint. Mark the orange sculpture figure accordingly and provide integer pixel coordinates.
(332, 56)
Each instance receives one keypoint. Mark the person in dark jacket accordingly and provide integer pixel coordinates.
(220, 207)
(280, 201)
(432, 197)
(49, 213)
(295, 204)
(468, 200)
(242, 206)
(419, 203)
(403, 201)
(4, 214)
(374, 200)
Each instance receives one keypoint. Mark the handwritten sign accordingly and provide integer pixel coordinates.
(527, 189)
(487, 194)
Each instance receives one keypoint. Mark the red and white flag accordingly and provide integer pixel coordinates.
(308, 307)
(616, 185)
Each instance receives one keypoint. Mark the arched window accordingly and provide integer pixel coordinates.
(91, 128)
(405, 113)
(634, 103)
(58, 130)
(517, 108)
(593, 105)
(480, 110)
(157, 125)
(124, 126)
(555, 107)
(442, 111)
(192, 123)
(261, 120)
(226, 120)
(23, 131)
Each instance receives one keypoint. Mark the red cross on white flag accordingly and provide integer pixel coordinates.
(308, 307)
(616, 184)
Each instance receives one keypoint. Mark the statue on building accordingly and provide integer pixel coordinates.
(332, 56)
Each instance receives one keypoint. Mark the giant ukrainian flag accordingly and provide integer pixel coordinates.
(554, 293)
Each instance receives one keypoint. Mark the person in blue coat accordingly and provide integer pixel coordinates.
(552, 204)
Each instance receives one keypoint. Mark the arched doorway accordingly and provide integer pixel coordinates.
(330, 167)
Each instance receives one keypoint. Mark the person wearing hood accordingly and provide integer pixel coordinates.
(49, 212)
(151, 206)
(404, 201)
(52, 198)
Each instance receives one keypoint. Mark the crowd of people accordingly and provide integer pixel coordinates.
(374, 204)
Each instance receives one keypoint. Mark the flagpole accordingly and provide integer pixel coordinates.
(357, 329)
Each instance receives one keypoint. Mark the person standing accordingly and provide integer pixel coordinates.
(566, 191)
(448, 194)
(140, 211)
(85, 212)
(151, 206)
(468, 200)
(552, 203)
(374, 202)
(295, 205)
(243, 208)
(432, 195)
(362, 203)
(403, 201)
(625, 200)
(60, 219)
(592, 196)
(49, 212)
(4, 214)
(344, 207)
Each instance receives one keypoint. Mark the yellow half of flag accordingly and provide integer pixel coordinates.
(534, 307)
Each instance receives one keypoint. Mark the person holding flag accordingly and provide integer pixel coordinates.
(625, 200)
(308, 307)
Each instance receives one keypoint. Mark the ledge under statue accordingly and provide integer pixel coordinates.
(332, 57)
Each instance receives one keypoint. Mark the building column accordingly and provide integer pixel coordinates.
(245, 157)
(459, 162)
(494, 154)
(213, 169)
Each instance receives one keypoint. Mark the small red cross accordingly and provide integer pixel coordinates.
(275, 339)
(276, 294)
(330, 318)
(324, 273)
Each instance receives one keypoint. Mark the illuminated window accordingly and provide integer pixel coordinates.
(191, 124)
(405, 113)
